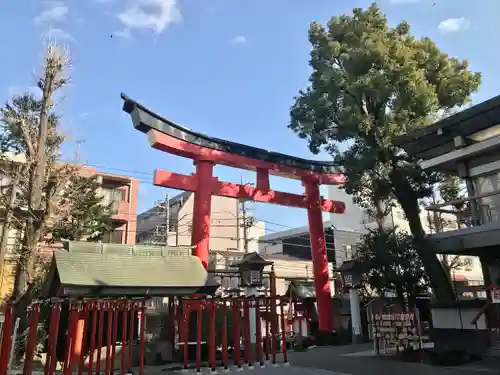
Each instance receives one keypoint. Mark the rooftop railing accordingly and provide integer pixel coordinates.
(472, 211)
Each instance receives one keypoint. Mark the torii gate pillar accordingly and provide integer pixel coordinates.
(200, 235)
(319, 257)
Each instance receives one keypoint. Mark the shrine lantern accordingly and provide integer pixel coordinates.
(350, 274)
(251, 269)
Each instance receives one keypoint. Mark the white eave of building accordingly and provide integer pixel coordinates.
(304, 230)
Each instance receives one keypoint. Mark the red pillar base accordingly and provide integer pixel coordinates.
(319, 258)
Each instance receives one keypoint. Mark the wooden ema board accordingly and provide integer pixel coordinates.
(400, 330)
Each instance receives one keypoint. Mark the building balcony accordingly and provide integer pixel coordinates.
(467, 224)
(119, 209)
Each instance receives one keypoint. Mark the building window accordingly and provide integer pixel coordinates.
(113, 196)
(347, 250)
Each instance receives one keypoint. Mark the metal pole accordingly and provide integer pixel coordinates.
(167, 219)
(244, 226)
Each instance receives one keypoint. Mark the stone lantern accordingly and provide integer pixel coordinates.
(350, 275)
(251, 269)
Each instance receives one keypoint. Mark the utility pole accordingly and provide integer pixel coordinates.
(244, 226)
(164, 207)
(238, 236)
(167, 219)
(246, 223)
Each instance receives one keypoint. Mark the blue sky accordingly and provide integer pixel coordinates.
(228, 68)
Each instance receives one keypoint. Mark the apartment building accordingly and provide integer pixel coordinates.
(121, 194)
(232, 231)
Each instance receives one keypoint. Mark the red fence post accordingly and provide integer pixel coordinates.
(50, 336)
(236, 333)
(274, 329)
(69, 338)
(100, 334)
(258, 332)
(124, 360)
(266, 336)
(133, 309)
(34, 313)
(94, 309)
(185, 331)
(84, 317)
(225, 356)
(116, 311)
(246, 332)
(211, 339)
(6, 339)
(142, 341)
(179, 316)
(199, 338)
(283, 332)
(109, 335)
(54, 322)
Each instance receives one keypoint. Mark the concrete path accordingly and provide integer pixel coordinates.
(268, 370)
(342, 360)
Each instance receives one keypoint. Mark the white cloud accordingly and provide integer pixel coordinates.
(453, 25)
(55, 11)
(125, 34)
(59, 35)
(240, 39)
(154, 15)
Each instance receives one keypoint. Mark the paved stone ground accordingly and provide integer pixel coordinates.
(342, 360)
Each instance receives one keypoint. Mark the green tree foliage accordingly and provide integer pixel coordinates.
(369, 84)
(389, 263)
(88, 217)
(450, 188)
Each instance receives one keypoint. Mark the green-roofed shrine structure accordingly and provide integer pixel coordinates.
(96, 286)
(96, 270)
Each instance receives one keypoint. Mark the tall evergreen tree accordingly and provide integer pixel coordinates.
(88, 218)
(369, 84)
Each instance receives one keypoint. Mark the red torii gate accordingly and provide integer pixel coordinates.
(207, 151)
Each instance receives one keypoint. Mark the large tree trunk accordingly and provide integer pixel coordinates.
(25, 266)
(440, 282)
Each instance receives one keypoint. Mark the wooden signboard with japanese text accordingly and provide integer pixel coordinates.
(400, 330)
